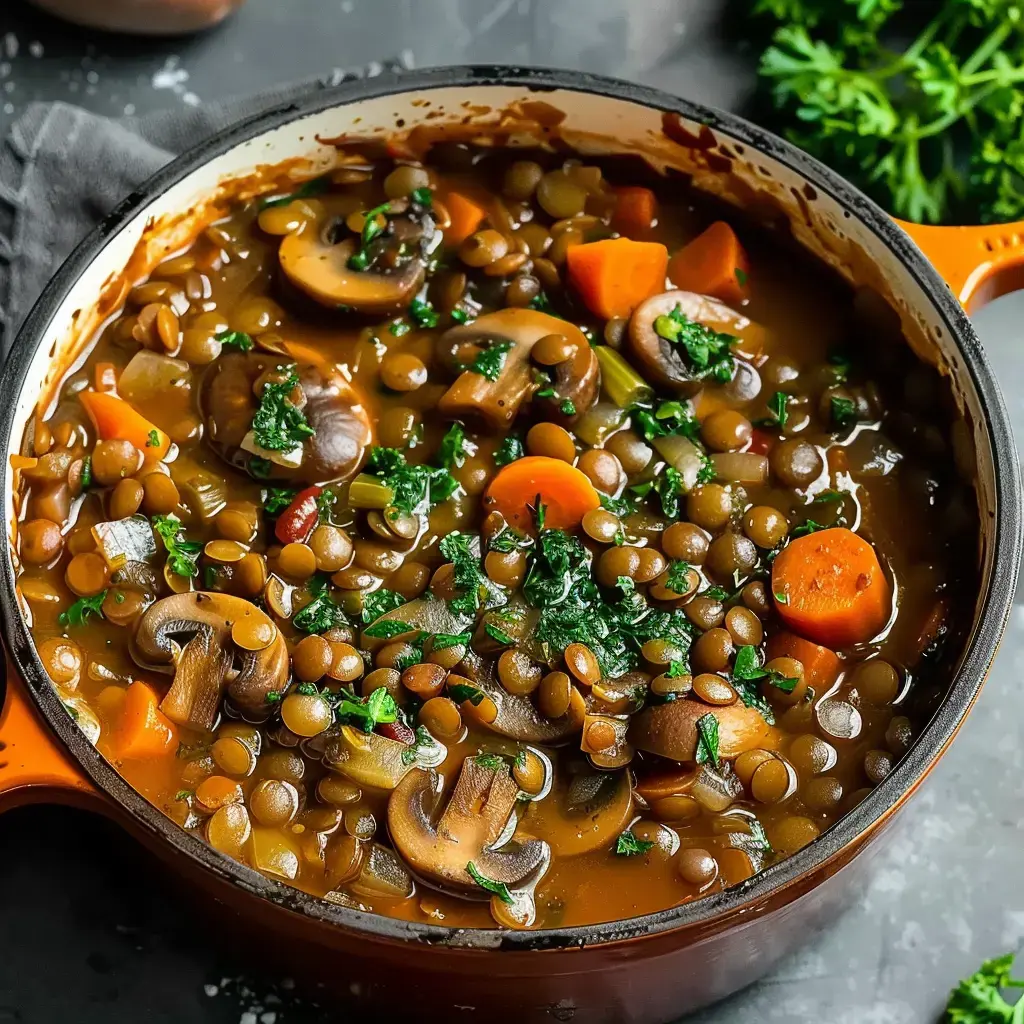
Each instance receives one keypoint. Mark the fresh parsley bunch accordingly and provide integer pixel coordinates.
(922, 107)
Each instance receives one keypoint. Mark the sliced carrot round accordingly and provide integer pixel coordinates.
(144, 731)
(829, 587)
(565, 492)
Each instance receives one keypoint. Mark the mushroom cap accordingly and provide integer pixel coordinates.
(671, 730)
(664, 364)
(497, 403)
(317, 264)
(192, 635)
(438, 847)
(333, 408)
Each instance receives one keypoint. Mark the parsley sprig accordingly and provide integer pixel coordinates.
(416, 488)
(280, 426)
(708, 351)
(181, 554)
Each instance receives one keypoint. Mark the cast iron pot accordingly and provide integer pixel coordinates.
(649, 968)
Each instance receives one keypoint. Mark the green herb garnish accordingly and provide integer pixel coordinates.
(422, 196)
(510, 449)
(707, 739)
(498, 635)
(708, 351)
(236, 339)
(455, 447)
(460, 692)
(806, 527)
(568, 407)
(377, 709)
(423, 313)
(677, 578)
(778, 408)
(181, 554)
(379, 602)
(468, 576)
(488, 760)
(86, 472)
(499, 889)
(842, 411)
(387, 628)
(78, 613)
(321, 613)
(313, 187)
(279, 426)
(372, 228)
(979, 999)
(628, 845)
(153, 439)
(277, 499)
(416, 488)
(490, 361)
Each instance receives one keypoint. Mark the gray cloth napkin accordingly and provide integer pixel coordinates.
(62, 169)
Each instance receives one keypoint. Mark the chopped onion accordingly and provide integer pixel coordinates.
(740, 467)
(384, 875)
(291, 459)
(125, 540)
(683, 455)
(715, 791)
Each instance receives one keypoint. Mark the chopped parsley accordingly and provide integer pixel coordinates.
(778, 408)
(372, 228)
(461, 692)
(979, 1000)
(423, 313)
(181, 554)
(469, 576)
(499, 889)
(326, 501)
(422, 197)
(824, 497)
(455, 447)
(460, 316)
(86, 472)
(260, 468)
(668, 418)
(416, 488)
(708, 351)
(490, 361)
(313, 187)
(759, 840)
(153, 438)
(321, 613)
(510, 449)
(843, 412)
(707, 739)
(78, 613)
(379, 602)
(677, 578)
(806, 527)
(399, 327)
(423, 739)
(489, 760)
(621, 507)
(442, 641)
(387, 628)
(277, 499)
(279, 426)
(236, 339)
(741, 276)
(497, 634)
(542, 304)
(568, 407)
(628, 845)
(747, 667)
(677, 669)
(377, 709)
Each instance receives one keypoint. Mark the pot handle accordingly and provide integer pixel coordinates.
(979, 263)
(33, 766)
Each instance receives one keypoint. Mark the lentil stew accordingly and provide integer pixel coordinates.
(503, 537)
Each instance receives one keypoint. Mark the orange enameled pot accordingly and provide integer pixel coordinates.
(649, 968)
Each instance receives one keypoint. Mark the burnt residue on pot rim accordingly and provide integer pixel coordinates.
(741, 143)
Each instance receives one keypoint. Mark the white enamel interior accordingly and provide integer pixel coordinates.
(632, 126)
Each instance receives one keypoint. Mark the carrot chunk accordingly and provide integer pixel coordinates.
(565, 492)
(714, 263)
(615, 275)
(829, 587)
(115, 419)
(635, 210)
(466, 217)
(144, 730)
(821, 666)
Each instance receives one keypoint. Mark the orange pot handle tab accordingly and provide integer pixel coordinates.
(34, 767)
(978, 262)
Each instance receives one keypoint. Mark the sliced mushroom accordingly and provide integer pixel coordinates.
(518, 717)
(471, 830)
(192, 635)
(496, 403)
(665, 364)
(584, 814)
(316, 260)
(333, 408)
(671, 730)
(369, 759)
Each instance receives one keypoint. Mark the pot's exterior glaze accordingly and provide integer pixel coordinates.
(646, 969)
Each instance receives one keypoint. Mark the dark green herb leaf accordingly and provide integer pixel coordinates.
(499, 889)
(778, 408)
(568, 407)
(423, 739)
(423, 313)
(678, 578)
(273, 696)
(236, 339)
(716, 593)
(760, 840)
(379, 602)
(326, 502)
(707, 739)
(422, 197)
(823, 497)
(460, 316)
(387, 628)
(979, 1000)
(399, 328)
(677, 669)
(488, 760)
(542, 303)
(741, 276)
(460, 692)
(455, 447)
(628, 845)
(279, 426)
(621, 507)
(747, 664)
(708, 351)
(78, 613)
(321, 613)
(307, 689)
(277, 499)
(806, 527)
(153, 439)
(442, 641)
(379, 708)
(87, 472)
(416, 488)
(181, 554)
(490, 361)
(499, 635)
(843, 412)
(468, 575)
(260, 468)
(510, 449)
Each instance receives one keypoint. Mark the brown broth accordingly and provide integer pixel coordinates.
(895, 466)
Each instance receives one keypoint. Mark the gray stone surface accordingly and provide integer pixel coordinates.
(93, 930)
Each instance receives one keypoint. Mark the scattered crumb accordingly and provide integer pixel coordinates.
(35, 48)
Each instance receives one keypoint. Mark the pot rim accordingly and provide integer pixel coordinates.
(991, 617)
